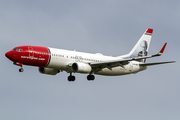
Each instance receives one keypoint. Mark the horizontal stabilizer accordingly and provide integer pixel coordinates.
(157, 63)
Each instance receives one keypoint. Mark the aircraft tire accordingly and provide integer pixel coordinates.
(90, 77)
(71, 78)
(21, 70)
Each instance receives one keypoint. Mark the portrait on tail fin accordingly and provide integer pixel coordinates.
(143, 52)
(142, 46)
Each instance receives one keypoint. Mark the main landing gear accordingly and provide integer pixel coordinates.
(71, 77)
(90, 77)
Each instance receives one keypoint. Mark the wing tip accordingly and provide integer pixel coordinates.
(163, 48)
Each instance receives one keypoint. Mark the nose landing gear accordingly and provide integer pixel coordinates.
(21, 70)
(19, 64)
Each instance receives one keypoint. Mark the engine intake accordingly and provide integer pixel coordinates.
(81, 67)
(49, 71)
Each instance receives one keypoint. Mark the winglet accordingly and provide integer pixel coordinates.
(162, 50)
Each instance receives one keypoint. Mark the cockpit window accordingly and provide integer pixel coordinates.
(17, 50)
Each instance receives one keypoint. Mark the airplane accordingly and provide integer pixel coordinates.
(52, 61)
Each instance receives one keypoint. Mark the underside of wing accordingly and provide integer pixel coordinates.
(155, 63)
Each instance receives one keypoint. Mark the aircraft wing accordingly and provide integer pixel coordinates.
(156, 63)
(121, 62)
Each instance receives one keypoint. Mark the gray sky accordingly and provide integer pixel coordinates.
(111, 27)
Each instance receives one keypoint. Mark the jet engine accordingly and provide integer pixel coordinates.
(49, 71)
(81, 67)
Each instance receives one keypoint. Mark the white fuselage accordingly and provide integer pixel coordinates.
(63, 59)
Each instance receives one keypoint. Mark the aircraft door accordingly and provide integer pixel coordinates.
(31, 53)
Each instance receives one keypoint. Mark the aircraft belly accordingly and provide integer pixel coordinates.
(113, 72)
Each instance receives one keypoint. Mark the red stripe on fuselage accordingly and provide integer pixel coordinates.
(30, 55)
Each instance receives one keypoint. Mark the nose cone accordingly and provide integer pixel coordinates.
(9, 55)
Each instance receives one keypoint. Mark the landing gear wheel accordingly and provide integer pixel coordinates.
(90, 77)
(71, 78)
(21, 70)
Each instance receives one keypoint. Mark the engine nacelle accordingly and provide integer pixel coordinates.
(81, 67)
(49, 71)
